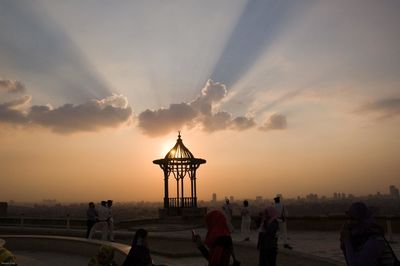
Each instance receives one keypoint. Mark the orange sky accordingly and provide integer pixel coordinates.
(279, 97)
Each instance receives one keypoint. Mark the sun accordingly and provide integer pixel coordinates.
(165, 148)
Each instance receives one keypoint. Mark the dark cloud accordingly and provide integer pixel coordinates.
(11, 86)
(242, 123)
(10, 112)
(275, 121)
(200, 112)
(385, 108)
(90, 116)
(163, 121)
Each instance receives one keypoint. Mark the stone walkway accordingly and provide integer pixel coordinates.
(174, 247)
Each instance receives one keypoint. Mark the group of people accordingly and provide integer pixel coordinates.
(100, 219)
(362, 240)
(246, 219)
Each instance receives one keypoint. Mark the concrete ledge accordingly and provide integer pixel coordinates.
(61, 244)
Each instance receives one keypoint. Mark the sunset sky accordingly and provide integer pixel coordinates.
(287, 97)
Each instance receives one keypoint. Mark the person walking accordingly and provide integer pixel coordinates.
(101, 224)
(110, 221)
(362, 239)
(92, 218)
(246, 221)
(282, 219)
(228, 211)
(267, 240)
(217, 247)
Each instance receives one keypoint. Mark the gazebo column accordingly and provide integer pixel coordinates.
(195, 193)
(177, 193)
(166, 196)
(191, 194)
(182, 201)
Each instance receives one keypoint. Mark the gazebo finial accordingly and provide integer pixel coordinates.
(179, 134)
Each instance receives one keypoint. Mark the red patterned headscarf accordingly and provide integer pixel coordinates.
(217, 227)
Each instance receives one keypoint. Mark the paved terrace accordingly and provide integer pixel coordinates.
(172, 246)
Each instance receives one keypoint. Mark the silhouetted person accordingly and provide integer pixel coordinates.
(102, 223)
(228, 211)
(362, 240)
(267, 240)
(110, 221)
(105, 257)
(218, 246)
(139, 254)
(92, 217)
(282, 215)
(246, 220)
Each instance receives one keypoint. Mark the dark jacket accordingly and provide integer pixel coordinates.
(267, 239)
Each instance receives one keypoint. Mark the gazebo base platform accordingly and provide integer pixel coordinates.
(190, 212)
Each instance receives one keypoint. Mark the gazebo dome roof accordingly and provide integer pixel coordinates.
(179, 151)
(179, 154)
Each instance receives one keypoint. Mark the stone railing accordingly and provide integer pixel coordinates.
(391, 224)
(22, 221)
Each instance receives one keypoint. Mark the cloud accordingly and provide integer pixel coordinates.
(10, 111)
(275, 121)
(90, 116)
(11, 86)
(385, 108)
(201, 112)
(163, 121)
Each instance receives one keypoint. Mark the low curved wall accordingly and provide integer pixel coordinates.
(61, 244)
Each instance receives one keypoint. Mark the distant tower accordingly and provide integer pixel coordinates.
(394, 192)
(214, 197)
(180, 162)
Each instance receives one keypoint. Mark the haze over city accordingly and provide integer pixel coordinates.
(278, 97)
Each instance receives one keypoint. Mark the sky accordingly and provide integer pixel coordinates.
(289, 97)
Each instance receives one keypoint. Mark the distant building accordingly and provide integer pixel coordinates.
(259, 199)
(231, 199)
(3, 209)
(394, 192)
(214, 197)
(312, 197)
(49, 202)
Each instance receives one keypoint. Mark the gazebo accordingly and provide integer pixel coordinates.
(181, 163)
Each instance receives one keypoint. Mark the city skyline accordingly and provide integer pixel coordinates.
(279, 97)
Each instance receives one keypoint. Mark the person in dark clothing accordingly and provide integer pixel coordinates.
(362, 240)
(218, 246)
(92, 217)
(139, 254)
(267, 240)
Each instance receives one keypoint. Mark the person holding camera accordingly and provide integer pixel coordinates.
(217, 247)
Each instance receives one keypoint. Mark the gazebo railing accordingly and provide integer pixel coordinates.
(186, 202)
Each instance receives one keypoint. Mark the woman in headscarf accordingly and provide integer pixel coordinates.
(267, 240)
(139, 254)
(105, 257)
(218, 246)
(362, 240)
